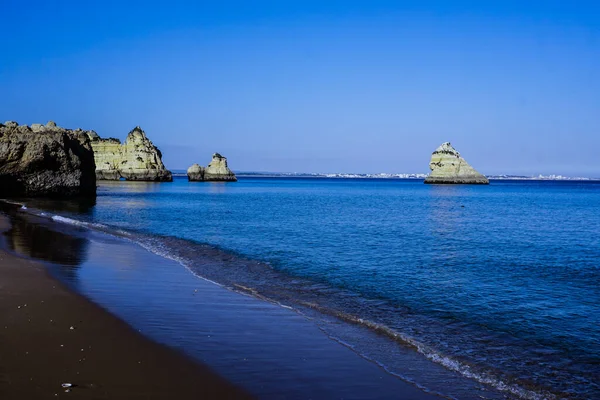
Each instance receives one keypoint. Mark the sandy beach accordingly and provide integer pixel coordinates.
(51, 336)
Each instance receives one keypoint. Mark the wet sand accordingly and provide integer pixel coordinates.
(50, 336)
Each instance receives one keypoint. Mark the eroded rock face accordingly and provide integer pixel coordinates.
(216, 171)
(135, 160)
(45, 161)
(447, 166)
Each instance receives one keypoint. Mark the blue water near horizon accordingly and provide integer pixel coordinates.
(498, 283)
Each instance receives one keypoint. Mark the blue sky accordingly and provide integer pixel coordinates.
(316, 86)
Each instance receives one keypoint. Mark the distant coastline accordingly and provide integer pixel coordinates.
(250, 174)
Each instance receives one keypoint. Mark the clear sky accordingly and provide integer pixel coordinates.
(316, 86)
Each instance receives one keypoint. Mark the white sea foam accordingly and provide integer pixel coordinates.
(65, 220)
(75, 222)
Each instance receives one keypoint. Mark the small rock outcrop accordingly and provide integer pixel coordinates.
(216, 171)
(195, 173)
(135, 160)
(447, 166)
(45, 160)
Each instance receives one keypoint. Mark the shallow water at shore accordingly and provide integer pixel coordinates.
(497, 284)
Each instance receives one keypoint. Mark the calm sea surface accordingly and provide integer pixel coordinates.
(499, 284)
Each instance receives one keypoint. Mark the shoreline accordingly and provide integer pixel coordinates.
(261, 347)
(50, 335)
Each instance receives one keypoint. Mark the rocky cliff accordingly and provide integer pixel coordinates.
(45, 160)
(135, 160)
(447, 166)
(217, 170)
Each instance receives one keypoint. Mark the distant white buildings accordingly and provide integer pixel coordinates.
(540, 177)
(376, 176)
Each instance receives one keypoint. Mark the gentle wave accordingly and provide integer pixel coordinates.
(70, 221)
(159, 251)
(437, 357)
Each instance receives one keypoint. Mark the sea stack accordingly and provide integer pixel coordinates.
(448, 167)
(216, 171)
(195, 173)
(138, 159)
(45, 160)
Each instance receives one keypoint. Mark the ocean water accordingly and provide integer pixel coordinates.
(498, 285)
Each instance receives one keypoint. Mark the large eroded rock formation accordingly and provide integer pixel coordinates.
(45, 160)
(447, 166)
(217, 170)
(135, 160)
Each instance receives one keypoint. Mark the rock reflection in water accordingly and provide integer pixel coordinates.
(130, 186)
(43, 243)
